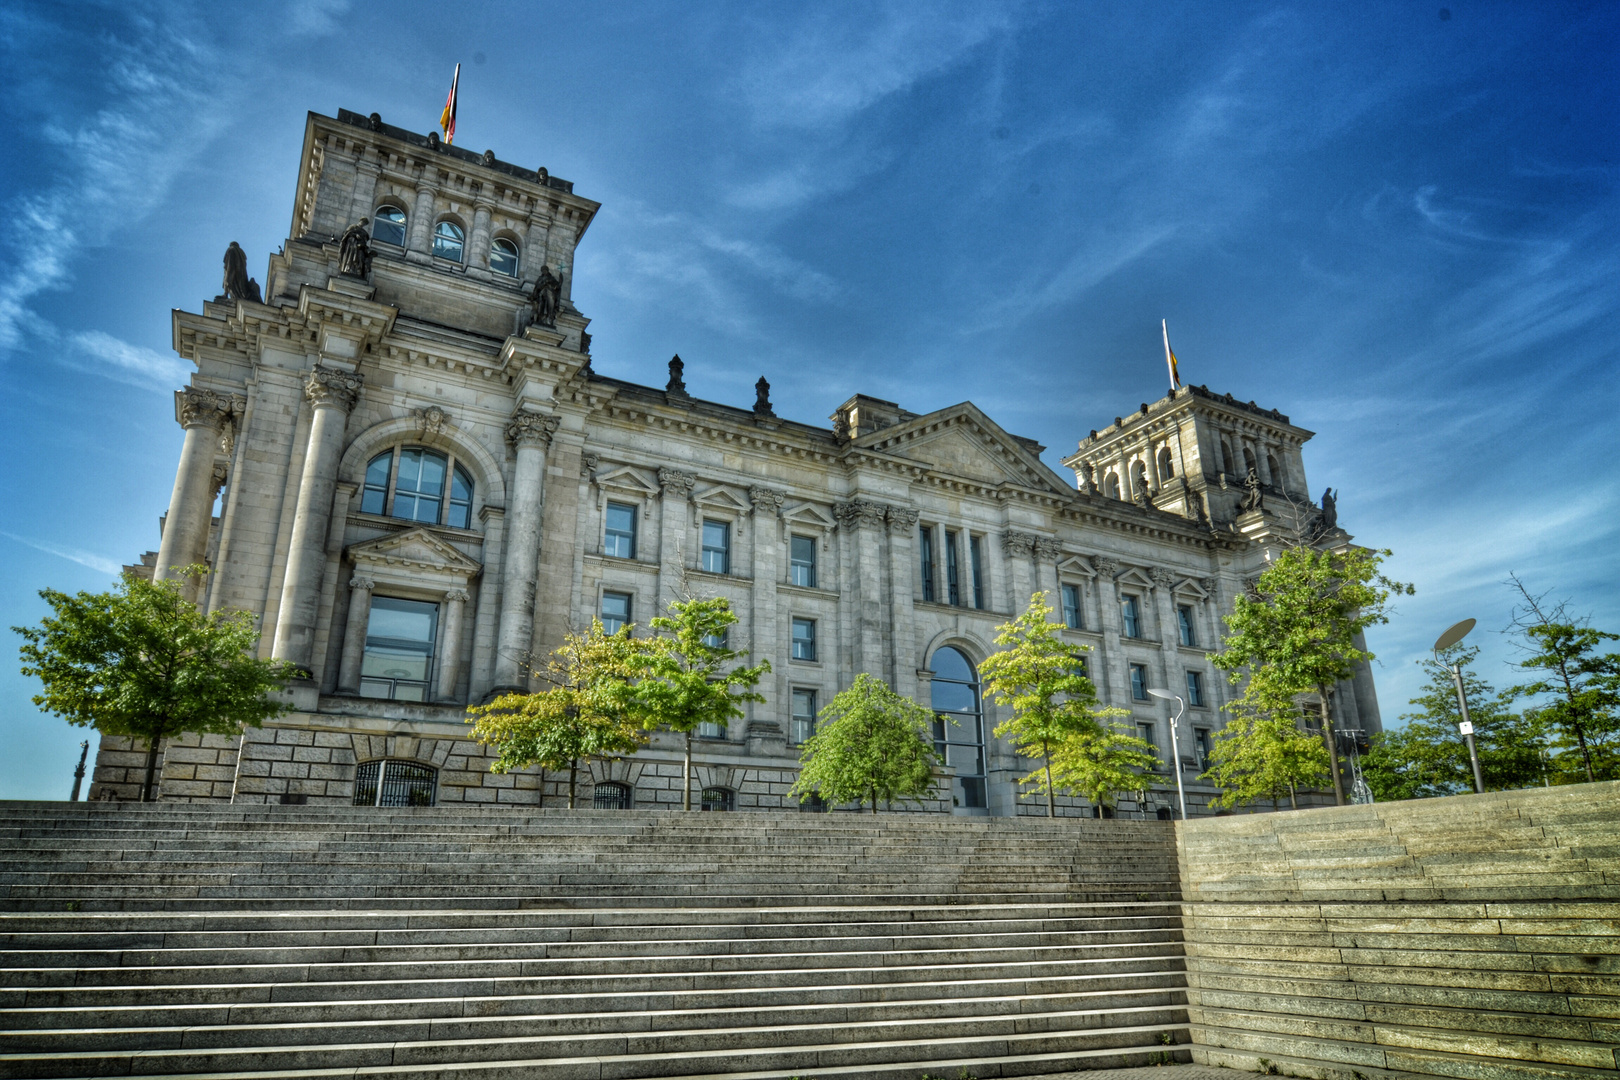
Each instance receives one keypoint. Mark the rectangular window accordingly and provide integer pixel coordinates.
(619, 534)
(1139, 682)
(1195, 688)
(1184, 617)
(976, 558)
(1201, 741)
(802, 554)
(1130, 613)
(1082, 667)
(804, 639)
(711, 731)
(804, 716)
(953, 591)
(1071, 608)
(398, 660)
(615, 611)
(717, 641)
(925, 547)
(1145, 733)
(717, 547)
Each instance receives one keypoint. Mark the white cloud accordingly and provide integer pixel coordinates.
(83, 558)
(130, 363)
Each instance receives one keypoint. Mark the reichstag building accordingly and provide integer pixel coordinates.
(399, 457)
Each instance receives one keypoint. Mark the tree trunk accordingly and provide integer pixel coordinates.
(1332, 746)
(1051, 802)
(1293, 803)
(542, 803)
(686, 793)
(573, 770)
(874, 800)
(151, 768)
(1586, 755)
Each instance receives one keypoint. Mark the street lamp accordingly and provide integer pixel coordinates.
(1446, 641)
(1175, 743)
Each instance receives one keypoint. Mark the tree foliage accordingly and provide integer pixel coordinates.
(1298, 631)
(1428, 756)
(686, 677)
(871, 744)
(1104, 761)
(1262, 755)
(588, 713)
(143, 661)
(1037, 675)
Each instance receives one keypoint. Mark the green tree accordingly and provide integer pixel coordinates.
(1583, 686)
(685, 677)
(589, 712)
(871, 744)
(1299, 631)
(1103, 761)
(1265, 756)
(1038, 676)
(1428, 757)
(143, 661)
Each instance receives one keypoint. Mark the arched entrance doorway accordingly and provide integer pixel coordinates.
(959, 726)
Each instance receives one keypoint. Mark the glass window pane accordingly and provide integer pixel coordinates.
(804, 561)
(978, 571)
(925, 554)
(950, 664)
(389, 225)
(447, 241)
(615, 611)
(503, 257)
(804, 639)
(953, 696)
(717, 547)
(619, 535)
(461, 487)
(375, 495)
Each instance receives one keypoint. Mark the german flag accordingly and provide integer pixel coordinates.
(1170, 358)
(447, 119)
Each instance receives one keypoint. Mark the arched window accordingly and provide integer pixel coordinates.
(395, 783)
(1276, 470)
(388, 225)
(448, 240)
(959, 724)
(611, 796)
(1167, 468)
(410, 482)
(719, 798)
(503, 257)
(1226, 457)
(1111, 485)
(1248, 461)
(1138, 478)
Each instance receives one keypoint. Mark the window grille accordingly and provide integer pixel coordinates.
(719, 798)
(404, 783)
(610, 796)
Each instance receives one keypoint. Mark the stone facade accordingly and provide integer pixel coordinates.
(869, 545)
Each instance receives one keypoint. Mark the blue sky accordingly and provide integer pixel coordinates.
(1397, 223)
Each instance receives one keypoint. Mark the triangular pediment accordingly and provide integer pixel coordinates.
(963, 442)
(625, 478)
(1135, 577)
(809, 515)
(723, 497)
(415, 548)
(1075, 565)
(1191, 587)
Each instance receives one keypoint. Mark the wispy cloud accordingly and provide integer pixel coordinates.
(90, 559)
(124, 362)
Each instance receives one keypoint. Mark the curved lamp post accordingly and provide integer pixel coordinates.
(1175, 743)
(1446, 641)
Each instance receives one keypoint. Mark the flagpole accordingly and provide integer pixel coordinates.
(1169, 357)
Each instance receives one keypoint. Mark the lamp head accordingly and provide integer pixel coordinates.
(1165, 694)
(1452, 636)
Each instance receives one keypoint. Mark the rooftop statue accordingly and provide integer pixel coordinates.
(235, 283)
(354, 252)
(546, 298)
(1253, 498)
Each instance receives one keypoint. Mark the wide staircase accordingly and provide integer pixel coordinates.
(190, 940)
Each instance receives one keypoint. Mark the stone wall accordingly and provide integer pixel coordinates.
(1474, 936)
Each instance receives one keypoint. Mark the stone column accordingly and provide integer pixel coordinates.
(767, 504)
(478, 243)
(354, 634)
(1175, 679)
(530, 435)
(419, 241)
(675, 492)
(185, 531)
(1109, 671)
(1047, 553)
(487, 625)
(862, 520)
(1018, 547)
(445, 679)
(902, 528)
(366, 172)
(332, 393)
(534, 245)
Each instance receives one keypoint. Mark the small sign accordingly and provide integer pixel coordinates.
(1466, 727)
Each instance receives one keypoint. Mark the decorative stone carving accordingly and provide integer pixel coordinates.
(1018, 545)
(546, 298)
(841, 428)
(767, 500)
(1253, 497)
(359, 583)
(584, 343)
(902, 519)
(1106, 567)
(329, 386)
(1207, 584)
(431, 420)
(1048, 549)
(1162, 577)
(235, 282)
(457, 596)
(354, 250)
(859, 514)
(588, 464)
(203, 408)
(531, 429)
(677, 483)
(762, 398)
(677, 380)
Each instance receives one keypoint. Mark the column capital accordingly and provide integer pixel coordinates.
(1106, 567)
(329, 386)
(901, 519)
(1162, 577)
(767, 500)
(457, 596)
(531, 429)
(360, 583)
(1048, 548)
(196, 406)
(859, 514)
(1020, 545)
(677, 483)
